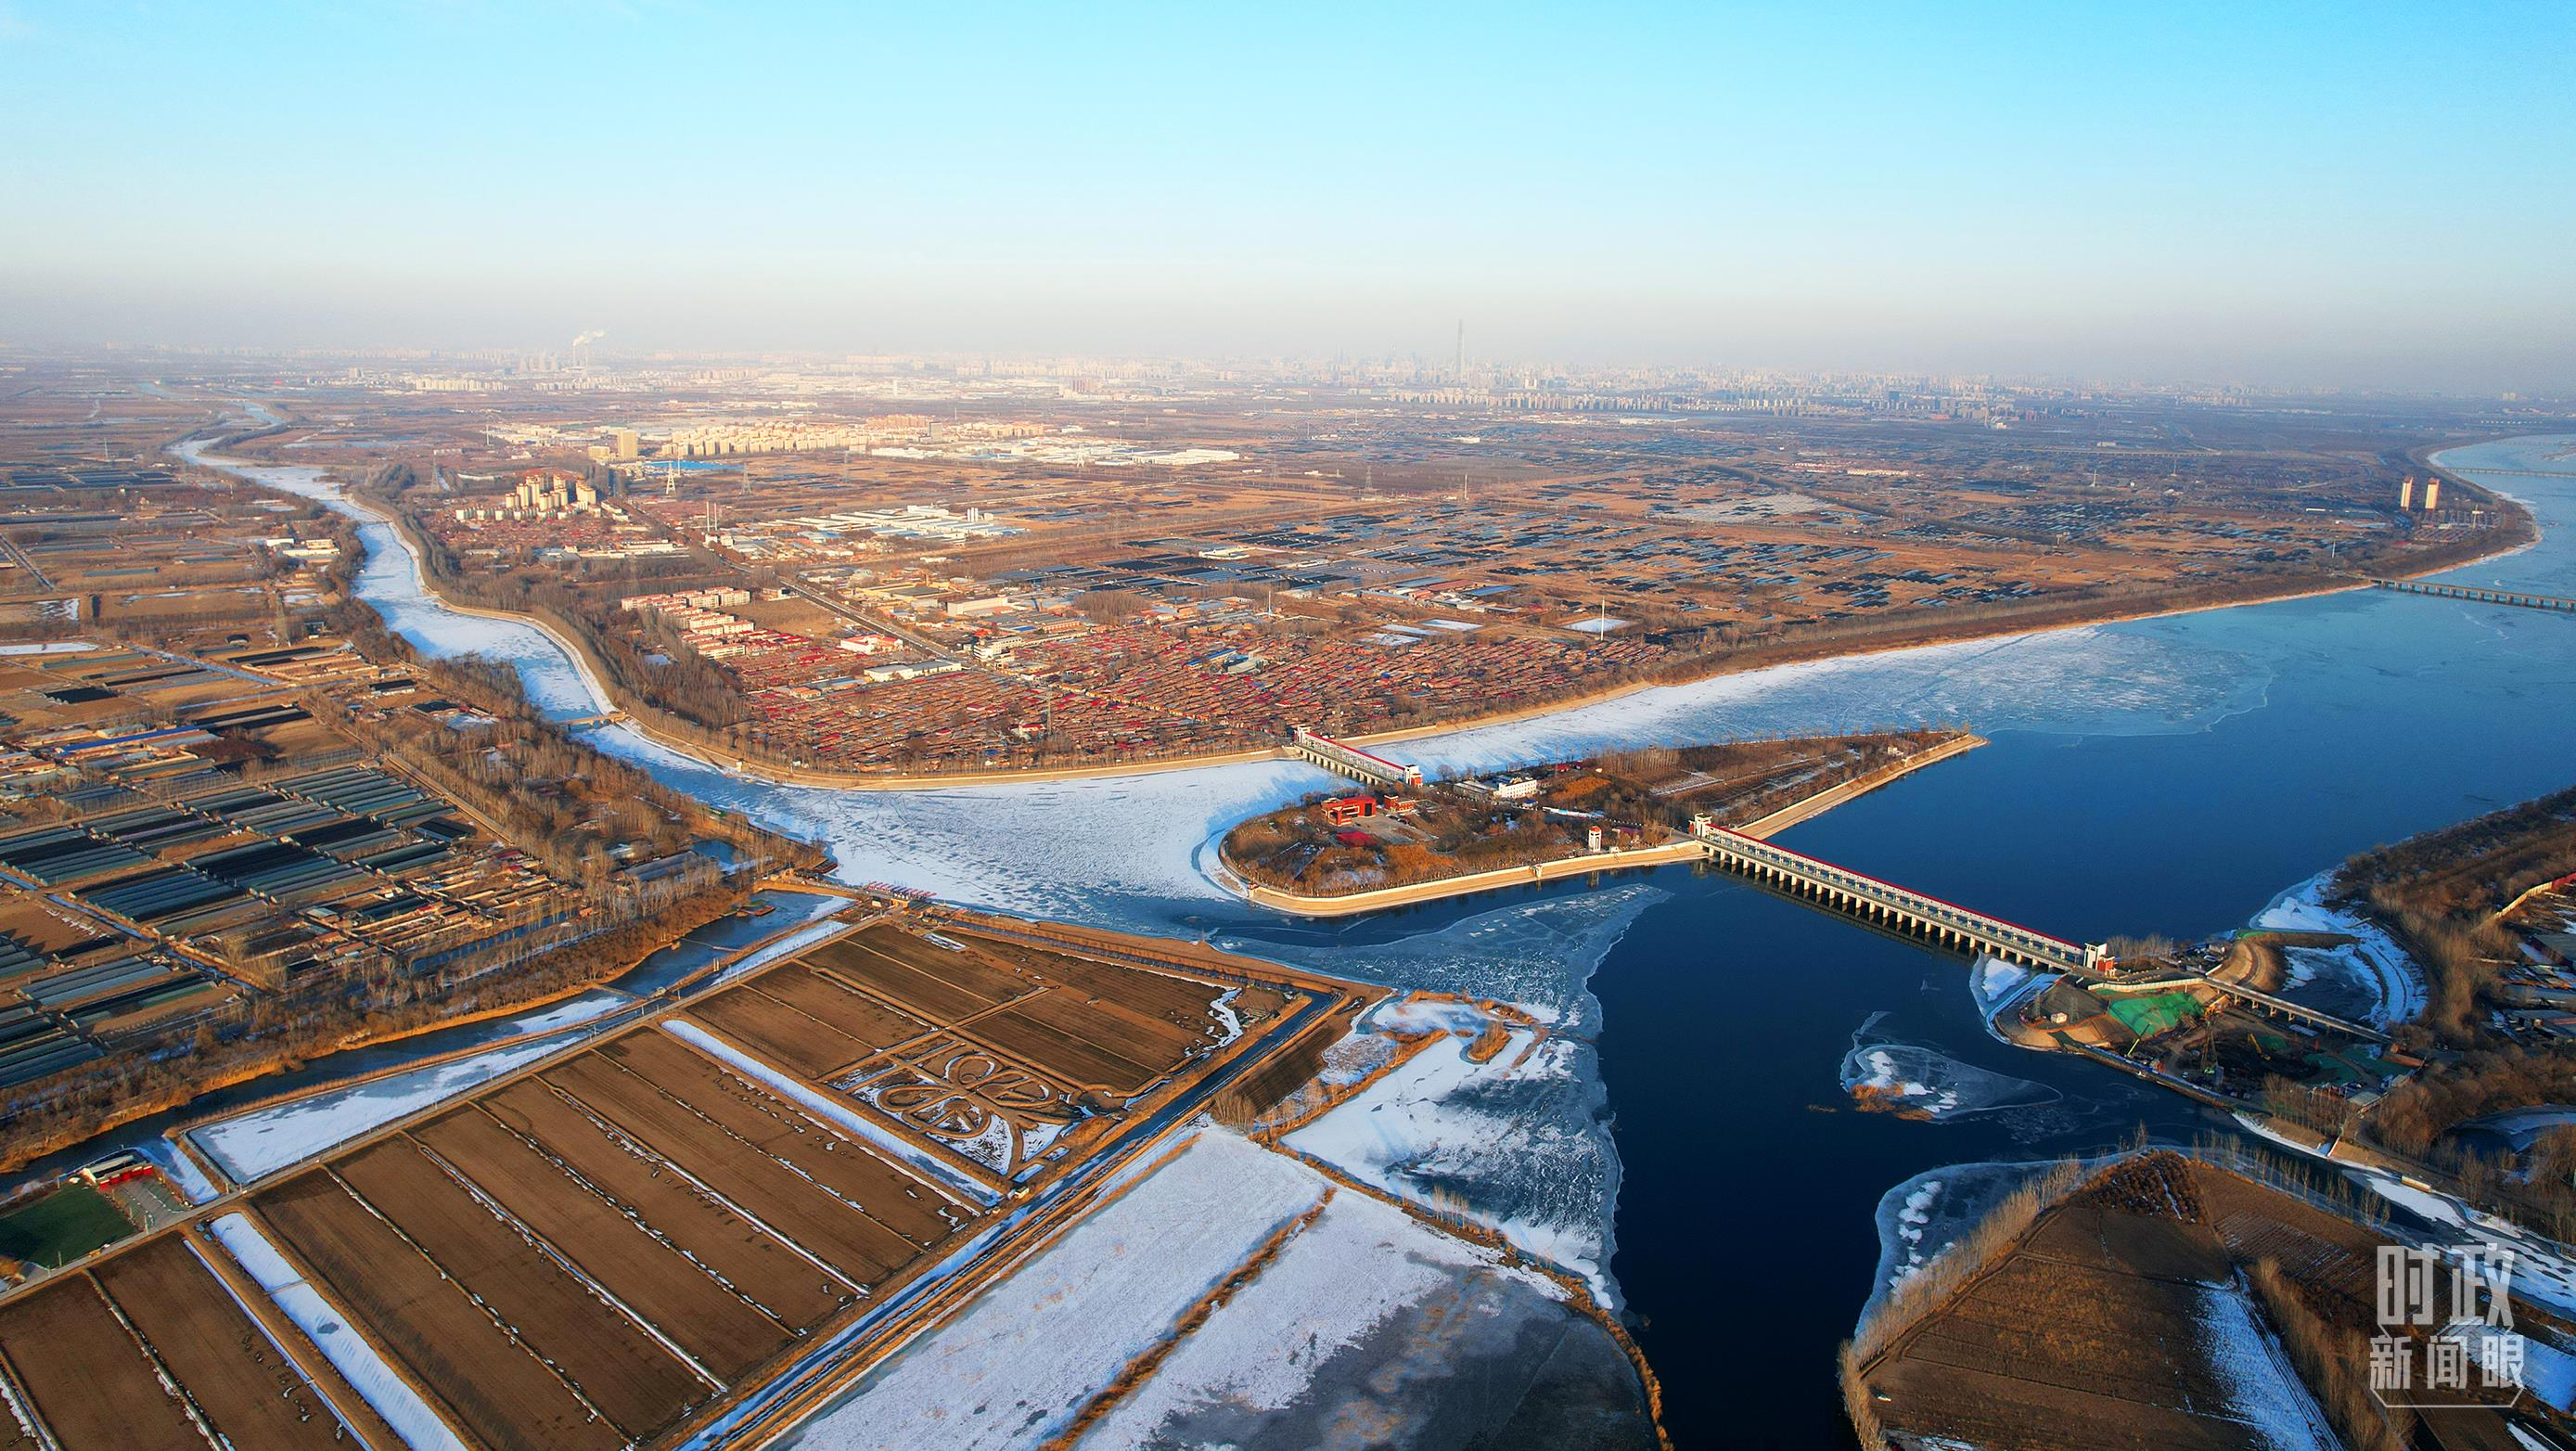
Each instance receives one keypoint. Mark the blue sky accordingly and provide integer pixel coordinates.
(2332, 193)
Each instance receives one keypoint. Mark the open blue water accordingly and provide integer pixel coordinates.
(2165, 775)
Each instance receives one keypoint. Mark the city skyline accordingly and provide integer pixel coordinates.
(2210, 197)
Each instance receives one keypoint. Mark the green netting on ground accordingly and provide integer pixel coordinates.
(2148, 1016)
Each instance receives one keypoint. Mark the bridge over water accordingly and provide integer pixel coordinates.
(1351, 761)
(1907, 910)
(2522, 598)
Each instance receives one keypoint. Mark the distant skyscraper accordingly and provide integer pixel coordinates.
(1461, 374)
(2406, 494)
(2432, 495)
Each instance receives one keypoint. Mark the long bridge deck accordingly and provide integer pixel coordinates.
(2300, 1011)
(1914, 912)
(2521, 598)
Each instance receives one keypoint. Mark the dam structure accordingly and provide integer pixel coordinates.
(1351, 761)
(1915, 913)
(2522, 599)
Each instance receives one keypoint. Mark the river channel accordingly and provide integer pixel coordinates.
(2168, 775)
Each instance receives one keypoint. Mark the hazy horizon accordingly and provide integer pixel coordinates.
(2305, 197)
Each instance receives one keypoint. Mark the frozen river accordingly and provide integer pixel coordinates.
(2167, 775)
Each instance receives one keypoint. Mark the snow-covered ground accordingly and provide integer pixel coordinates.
(785, 947)
(570, 1012)
(181, 1169)
(2265, 1393)
(2548, 1372)
(2542, 1270)
(2519, 1127)
(1442, 1128)
(392, 1397)
(1033, 1348)
(2372, 961)
(1348, 1273)
(265, 1140)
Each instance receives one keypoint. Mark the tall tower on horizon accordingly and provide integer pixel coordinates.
(1461, 374)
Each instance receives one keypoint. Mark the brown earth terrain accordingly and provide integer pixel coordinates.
(601, 1249)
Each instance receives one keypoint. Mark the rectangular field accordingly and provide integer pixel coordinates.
(601, 1249)
(672, 1129)
(100, 1353)
(478, 1372)
(1082, 1023)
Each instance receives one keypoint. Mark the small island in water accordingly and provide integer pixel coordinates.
(1616, 809)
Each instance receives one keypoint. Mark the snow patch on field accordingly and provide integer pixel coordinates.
(1444, 1130)
(2547, 1371)
(392, 1397)
(1031, 1350)
(181, 1169)
(2372, 960)
(2265, 1394)
(1342, 1277)
(787, 946)
(571, 1012)
(265, 1140)
(2543, 1271)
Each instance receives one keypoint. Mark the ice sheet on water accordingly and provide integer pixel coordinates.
(1917, 1079)
(1922, 1217)
(1114, 851)
(1535, 955)
(2370, 977)
(1522, 1144)
(1514, 1142)
(1121, 850)
(1997, 986)
(2099, 680)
